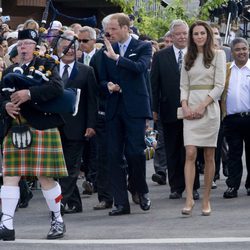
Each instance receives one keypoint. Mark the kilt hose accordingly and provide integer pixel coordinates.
(43, 158)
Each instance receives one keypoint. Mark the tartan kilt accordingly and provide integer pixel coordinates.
(43, 158)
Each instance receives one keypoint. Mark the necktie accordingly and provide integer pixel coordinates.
(86, 59)
(24, 67)
(65, 75)
(180, 59)
(122, 49)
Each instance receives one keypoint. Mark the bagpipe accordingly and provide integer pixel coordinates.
(40, 70)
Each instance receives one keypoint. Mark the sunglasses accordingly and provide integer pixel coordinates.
(83, 40)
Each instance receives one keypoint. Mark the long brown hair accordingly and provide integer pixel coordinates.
(192, 52)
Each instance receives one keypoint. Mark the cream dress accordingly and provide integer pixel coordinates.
(203, 132)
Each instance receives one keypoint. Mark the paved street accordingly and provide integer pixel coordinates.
(163, 227)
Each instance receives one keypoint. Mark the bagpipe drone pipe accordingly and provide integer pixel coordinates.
(40, 71)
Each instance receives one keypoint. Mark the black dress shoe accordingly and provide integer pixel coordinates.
(231, 193)
(25, 202)
(6, 234)
(103, 205)
(160, 179)
(73, 210)
(120, 210)
(175, 195)
(196, 195)
(145, 202)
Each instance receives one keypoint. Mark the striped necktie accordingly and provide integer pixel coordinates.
(180, 58)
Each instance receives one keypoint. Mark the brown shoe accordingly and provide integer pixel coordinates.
(88, 188)
(102, 205)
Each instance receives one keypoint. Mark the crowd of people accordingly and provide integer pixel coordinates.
(194, 89)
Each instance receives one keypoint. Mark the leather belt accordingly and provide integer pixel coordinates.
(241, 114)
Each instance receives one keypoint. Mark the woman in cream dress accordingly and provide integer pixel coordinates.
(202, 83)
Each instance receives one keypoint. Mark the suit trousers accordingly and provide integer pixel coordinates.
(160, 159)
(126, 134)
(89, 160)
(72, 151)
(175, 152)
(236, 129)
(103, 182)
(221, 153)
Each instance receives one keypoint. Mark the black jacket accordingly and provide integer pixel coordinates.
(40, 93)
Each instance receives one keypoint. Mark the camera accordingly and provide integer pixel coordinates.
(164, 3)
(5, 19)
(107, 34)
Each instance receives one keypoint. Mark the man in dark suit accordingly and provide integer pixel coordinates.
(123, 78)
(87, 40)
(79, 127)
(165, 81)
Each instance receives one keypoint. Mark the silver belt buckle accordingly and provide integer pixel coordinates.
(243, 114)
(101, 113)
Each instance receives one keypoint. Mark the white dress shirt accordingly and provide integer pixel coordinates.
(62, 64)
(125, 45)
(238, 94)
(176, 52)
(90, 54)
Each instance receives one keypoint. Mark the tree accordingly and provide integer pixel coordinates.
(155, 20)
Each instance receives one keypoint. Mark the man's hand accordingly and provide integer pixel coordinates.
(155, 116)
(12, 109)
(20, 97)
(89, 132)
(113, 87)
(110, 52)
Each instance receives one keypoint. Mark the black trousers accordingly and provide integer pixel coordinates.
(221, 152)
(175, 152)
(160, 159)
(72, 151)
(125, 135)
(236, 129)
(89, 160)
(103, 183)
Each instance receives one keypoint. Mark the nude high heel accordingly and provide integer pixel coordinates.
(206, 212)
(188, 210)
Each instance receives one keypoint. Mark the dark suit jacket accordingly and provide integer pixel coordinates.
(165, 81)
(97, 63)
(129, 72)
(40, 93)
(82, 77)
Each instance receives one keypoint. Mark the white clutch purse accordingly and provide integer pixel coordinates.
(179, 113)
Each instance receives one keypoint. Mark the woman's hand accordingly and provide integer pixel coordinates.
(199, 111)
(12, 109)
(187, 113)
